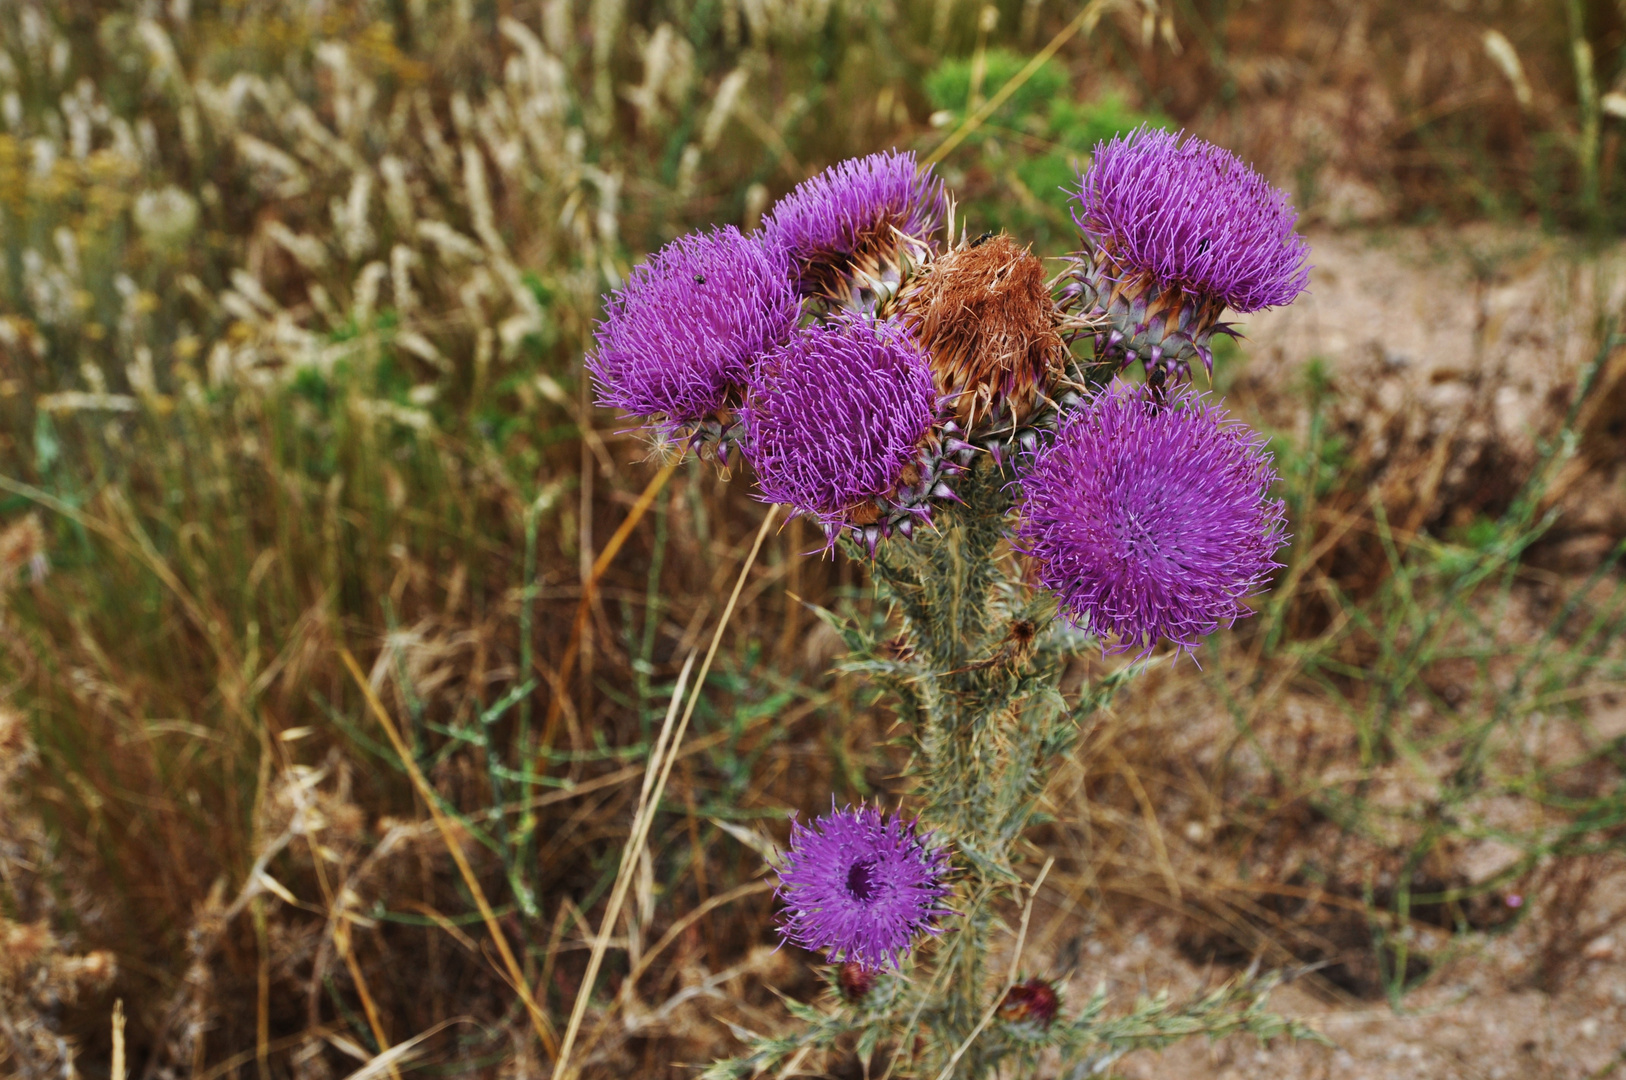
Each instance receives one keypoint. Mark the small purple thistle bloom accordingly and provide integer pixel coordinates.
(859, 886)
(1149, 520)
(678, 340)
(1195, 217)
(837, 415)
(848, 212)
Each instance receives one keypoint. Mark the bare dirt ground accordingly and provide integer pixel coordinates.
(1459, 348)
(1475, 1021)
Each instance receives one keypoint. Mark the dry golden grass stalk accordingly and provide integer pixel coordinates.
(650, 798)
(601, 564)
(539, 1019)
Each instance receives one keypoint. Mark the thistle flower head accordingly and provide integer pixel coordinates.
(678, 340)
(837, 417)
(1193, 217)
(848, 218)
(860, 886)
(984, 314)
(1151, 521)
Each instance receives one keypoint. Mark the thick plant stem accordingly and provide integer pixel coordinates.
(982, 695)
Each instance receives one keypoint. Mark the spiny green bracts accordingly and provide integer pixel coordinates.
(1136, 319)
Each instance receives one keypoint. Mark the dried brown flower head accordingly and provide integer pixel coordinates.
(986, 317)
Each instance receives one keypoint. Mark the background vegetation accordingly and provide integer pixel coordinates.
(292, 304)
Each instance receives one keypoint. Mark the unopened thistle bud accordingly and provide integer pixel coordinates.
(852, 229)
(1032, 1004)
(839, 426)
(854, 981)
(1151, 520)
(679, 339)
(1174, 233)
(984, 314)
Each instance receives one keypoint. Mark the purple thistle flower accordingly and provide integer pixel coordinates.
(837, 419)
(849, 215)
(859, 886)
(678, 340)
(1151, 520)
(1194, 217)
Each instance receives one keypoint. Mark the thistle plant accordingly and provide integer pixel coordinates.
(678, 343)
(1175, 231)
(856, 227)
(953, 422)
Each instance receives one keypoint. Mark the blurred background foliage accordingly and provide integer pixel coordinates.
(293, 297)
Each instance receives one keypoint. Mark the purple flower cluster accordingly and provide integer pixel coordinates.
(859, 886)
(1147, 512)
(1195, 218)
(1149, 516)
(679, 340)
(837, 416)
(850, 211)
(1151, 520)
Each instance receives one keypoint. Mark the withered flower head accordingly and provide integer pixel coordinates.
(985, 316)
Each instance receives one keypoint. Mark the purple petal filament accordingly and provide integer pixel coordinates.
(860, 886)
(1151, 521)
(855, 204)
(1194, 217)
(837, 415)
(678, 340)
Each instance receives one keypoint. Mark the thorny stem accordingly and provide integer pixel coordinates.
(974, 672)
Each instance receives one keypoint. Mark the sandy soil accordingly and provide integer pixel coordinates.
(1458, 348)
(1476, 1020)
